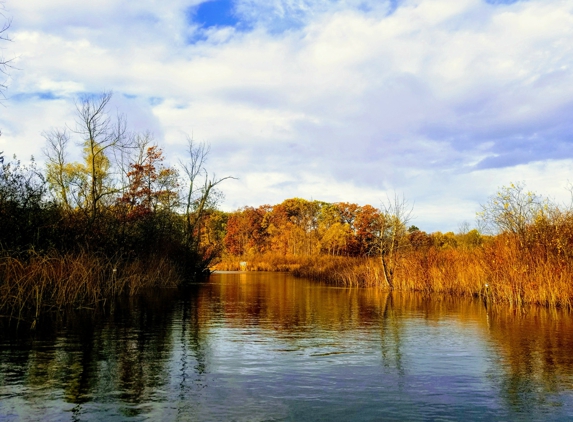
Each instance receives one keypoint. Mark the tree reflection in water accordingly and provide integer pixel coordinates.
(271, 345)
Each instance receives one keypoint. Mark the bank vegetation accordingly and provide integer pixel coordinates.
(522, 253)
(77, 233)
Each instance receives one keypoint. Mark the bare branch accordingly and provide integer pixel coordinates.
(511, 210)
(395, 215)
(197, 197)
(5, 64)
(55, 152)
(102, 135)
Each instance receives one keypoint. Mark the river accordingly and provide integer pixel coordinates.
(270, 347)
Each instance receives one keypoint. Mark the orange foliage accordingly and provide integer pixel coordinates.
(332, 242)
(151, 185)
(299, 227)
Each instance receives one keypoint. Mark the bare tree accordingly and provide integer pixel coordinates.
(67, 181)
(4, 63)
(125, 158)
(59, 178)
(392, 236)
(102, 135)
(195, 166)
(89, 184)
(201, 193)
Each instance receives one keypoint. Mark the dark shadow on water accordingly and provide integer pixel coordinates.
(268, 346)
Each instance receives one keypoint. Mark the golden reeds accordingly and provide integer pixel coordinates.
(267, 262)
(499, 272)
(37, 283)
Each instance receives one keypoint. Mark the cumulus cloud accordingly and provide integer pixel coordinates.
(339, 100)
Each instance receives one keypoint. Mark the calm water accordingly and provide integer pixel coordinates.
(268, 347)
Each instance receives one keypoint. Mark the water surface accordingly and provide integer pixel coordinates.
(269, 347)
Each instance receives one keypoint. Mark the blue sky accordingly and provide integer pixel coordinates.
(337, 100)
(214, 13)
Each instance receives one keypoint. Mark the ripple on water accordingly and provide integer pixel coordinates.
(276, 348)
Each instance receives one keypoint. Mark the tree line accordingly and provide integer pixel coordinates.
(122, 202)
(299, 227)
(122, 218)
(521, 251)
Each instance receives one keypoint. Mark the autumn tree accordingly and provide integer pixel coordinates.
(278, 227)
(512, 210)
(301, 227)
(246, 232)
(337, 239)
(213, 232)
(151, 185)
(392, 237)
(303, 217)
(444, 240)
(236, 237)
(367, 228)
(470, 239)
(419, 240)
(329, 223)
(90, 184)
(337, 229)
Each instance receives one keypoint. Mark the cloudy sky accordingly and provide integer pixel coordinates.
(338, 100)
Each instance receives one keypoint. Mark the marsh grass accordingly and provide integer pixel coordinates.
(265, 262)
(37, 283)
(498, 272)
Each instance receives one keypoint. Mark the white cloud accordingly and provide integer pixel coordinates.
(333, 100)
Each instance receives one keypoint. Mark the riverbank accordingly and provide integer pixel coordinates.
(498, 271)
(38, 283)
(75, 235)
(280, 348)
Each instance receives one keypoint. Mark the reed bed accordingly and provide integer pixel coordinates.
(52, 281)
(498, 275)
(265, 262)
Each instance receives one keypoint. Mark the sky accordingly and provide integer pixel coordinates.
(439, 101)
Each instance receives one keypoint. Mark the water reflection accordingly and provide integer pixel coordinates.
(269, 347)
(535, 351)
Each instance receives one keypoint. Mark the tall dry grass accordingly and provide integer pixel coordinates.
(500, 272)
(264, 262)
(36, 283)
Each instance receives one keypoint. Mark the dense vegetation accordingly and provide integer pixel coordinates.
(119, 220)
(527, 257)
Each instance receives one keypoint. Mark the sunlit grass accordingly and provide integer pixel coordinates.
(499, 272)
